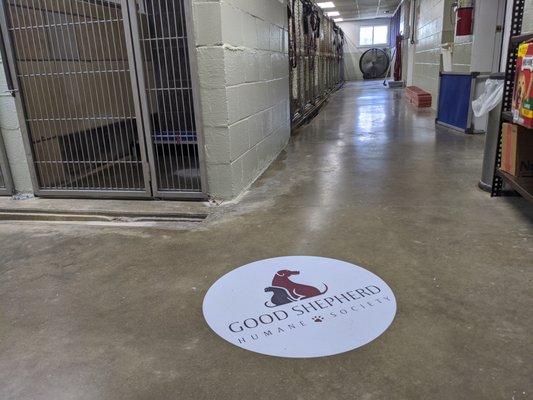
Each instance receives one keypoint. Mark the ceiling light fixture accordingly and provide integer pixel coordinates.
(326, 4)
(333, 13)
(338, 19)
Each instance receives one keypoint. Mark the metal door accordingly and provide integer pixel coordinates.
(83, 98)
(162, 37)
(75, 75)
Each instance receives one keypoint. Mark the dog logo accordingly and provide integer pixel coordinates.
(285, 291)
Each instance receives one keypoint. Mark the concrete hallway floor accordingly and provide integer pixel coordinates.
(111, 312)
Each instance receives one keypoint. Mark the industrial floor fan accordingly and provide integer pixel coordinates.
(374, 63)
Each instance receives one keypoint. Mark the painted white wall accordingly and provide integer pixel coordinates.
(462, 45)
(427, 50)
(352, 50)
(486, 43)
(527, 25)
(242, 49)
(506, 34)
(435, 26)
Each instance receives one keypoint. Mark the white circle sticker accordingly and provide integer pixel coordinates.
(299, 306)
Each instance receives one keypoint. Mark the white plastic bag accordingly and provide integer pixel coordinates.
(490, 98)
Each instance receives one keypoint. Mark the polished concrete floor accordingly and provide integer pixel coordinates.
(104, 312)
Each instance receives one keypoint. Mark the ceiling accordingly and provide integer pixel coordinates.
(363, 9)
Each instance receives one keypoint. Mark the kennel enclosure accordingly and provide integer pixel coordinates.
(106, 93)
(316, 52)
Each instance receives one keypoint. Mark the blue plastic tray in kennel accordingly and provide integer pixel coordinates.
(173, 137)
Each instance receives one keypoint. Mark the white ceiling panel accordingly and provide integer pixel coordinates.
(363, 9)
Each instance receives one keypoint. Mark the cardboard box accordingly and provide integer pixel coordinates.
(522, 107)
(517, 151)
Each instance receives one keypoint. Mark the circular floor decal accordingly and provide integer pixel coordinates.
(299, 307)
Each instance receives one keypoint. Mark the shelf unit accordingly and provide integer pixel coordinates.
(501, 177)
(526, 191)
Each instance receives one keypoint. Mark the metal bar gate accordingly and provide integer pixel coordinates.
(107, 91)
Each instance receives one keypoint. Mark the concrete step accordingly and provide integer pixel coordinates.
(41, 209)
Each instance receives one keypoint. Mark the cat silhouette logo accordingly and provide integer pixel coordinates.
(285, 291)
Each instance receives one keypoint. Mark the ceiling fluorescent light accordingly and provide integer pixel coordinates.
(333, 13)
(338, 19)
(326, 4)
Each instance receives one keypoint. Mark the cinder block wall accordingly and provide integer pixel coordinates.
(242, 49)
(434, 26)
(10, 131)
(462, 49)
(462, 54)
(427, 56)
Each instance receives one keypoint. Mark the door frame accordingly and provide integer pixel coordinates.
(131, 32)
(141, 82)
(8, 189)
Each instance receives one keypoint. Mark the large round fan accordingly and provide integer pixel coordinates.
(374, 63)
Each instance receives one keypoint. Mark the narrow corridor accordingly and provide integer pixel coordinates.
(103, 312)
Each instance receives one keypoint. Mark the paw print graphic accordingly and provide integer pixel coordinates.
(318, 319)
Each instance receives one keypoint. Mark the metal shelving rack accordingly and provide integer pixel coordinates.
(500, 177)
